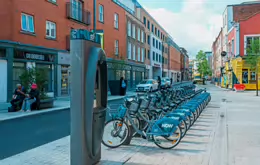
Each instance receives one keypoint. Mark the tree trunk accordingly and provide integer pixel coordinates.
(257, 81)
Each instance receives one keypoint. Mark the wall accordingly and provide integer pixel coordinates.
(110, 33)
(232, 36)
(248, 27)
(156, 50)
(6, 17)
(175, 59)
(42, 11)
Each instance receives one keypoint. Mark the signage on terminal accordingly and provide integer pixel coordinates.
(83, 34)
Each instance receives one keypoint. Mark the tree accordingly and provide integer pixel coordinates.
(35, 75)
(203, 65)
(253, 58)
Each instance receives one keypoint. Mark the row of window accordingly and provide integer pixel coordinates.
(131, 32)
(131, 53)
(154, 29)
(27, 25)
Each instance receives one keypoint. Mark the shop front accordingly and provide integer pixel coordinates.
(63, 73)
(15, 58)
(244, 74)
(133, 73)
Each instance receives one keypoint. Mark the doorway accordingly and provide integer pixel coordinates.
(3, 80)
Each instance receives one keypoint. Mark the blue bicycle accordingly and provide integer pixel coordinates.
(164, 132)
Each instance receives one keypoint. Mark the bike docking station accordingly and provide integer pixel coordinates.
(88, 77)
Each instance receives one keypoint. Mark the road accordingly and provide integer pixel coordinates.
(21, 134)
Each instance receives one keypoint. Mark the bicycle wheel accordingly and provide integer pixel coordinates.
(192, 119)
(115, 133)
(165, 142)
(183, 127)
(136, 123)
(188, 122)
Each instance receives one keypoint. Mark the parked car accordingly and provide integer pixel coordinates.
(147, 85)
(167, 81)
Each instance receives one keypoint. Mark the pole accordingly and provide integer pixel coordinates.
(256, 80)
(94, 16)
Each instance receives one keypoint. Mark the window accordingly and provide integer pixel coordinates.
(50, 29)
(53, 1)
(101, 13)
(48, 87)
(153, 42)
(152, 28)
(27, 23)
(153, 56)
(245, 76)
(159, 58)
(129, 28)
(133, 33)
(76, 10)
(253, 76)
(163, 61)
(142, 36)
(134, 52)
(159, 46)
(143, 52)
(116, 21)
(148, 54)
(233, 47)
(138, 34)
(116, 47)
(158, 33)
(129, 51)
(155, 31)
(148, 40)
(156, 43)
(148, 25)
(144, 21)
(162, 48)
(249, 41)
(139, 55)
(156, 56)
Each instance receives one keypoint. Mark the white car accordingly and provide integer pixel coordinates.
(147, 85)
(167, 81)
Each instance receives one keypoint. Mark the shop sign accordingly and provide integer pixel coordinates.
(34, 56)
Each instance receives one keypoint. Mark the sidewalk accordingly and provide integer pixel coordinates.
(227, 133)
(194, 149)
(60, 104)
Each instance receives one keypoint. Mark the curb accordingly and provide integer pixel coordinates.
(33, 113)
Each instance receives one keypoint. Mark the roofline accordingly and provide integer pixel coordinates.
(242, 4)
(152, 18)
(247, 18)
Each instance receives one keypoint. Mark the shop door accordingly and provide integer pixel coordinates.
(3, 80)
(64, 82)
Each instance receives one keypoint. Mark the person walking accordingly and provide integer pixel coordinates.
(122, 86)
(159, 82)
(30, 98)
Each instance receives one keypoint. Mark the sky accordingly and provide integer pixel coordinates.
(193, 24)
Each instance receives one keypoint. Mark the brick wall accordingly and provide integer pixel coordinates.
(175, 59)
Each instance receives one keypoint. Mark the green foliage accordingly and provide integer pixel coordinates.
(253, 58)
(203, 66)
(35, 75)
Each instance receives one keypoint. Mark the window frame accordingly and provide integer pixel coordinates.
(129, 29)
(55, 29)
(116, 21)
(101, 14)
(116, 47)
(27, 16)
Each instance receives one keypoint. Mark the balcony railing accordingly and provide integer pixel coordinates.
(77, 13)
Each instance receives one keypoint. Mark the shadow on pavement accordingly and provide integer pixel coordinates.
(192, 142)
(198, 129)
(196, 135)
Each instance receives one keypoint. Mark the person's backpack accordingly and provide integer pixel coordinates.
(123, 84)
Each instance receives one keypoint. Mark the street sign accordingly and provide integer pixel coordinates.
(83, 34)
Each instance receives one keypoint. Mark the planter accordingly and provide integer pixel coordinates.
(46, 103)
(114, 87)
(43, 104)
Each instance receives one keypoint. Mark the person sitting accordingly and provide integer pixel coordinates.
(32, 96)
(18, 97)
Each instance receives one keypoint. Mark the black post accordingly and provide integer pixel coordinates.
(94, 16)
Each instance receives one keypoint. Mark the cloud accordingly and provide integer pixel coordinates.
(195, 27)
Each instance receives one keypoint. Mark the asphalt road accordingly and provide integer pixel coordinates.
(21, 134)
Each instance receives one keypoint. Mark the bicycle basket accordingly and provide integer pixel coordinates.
(144, 103)
(133, 106)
